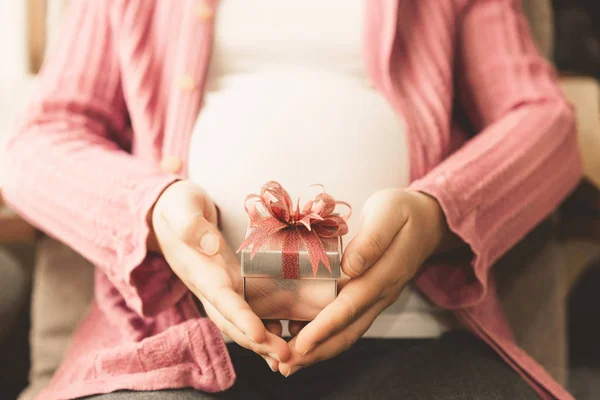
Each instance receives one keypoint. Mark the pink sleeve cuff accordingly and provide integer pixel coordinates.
(147, 283)
(456, 283)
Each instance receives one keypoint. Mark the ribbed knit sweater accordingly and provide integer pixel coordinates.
(120, 95)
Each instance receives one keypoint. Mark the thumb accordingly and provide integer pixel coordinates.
(197, 232)
(203, 235)
(189, 222)
(377, 231)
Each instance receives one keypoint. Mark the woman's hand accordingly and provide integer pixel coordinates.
(399, 231)
(184, 222)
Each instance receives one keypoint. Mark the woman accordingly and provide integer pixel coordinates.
(153, 113)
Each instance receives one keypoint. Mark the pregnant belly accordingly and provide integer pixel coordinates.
(296, 127)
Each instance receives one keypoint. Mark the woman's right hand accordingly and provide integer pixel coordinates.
(184, 222)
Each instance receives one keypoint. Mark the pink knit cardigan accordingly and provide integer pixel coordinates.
(122, 91)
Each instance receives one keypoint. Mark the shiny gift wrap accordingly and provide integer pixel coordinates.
(291, 255)
(273, 297)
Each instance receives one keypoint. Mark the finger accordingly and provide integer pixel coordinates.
(273, 346)
(211, 282)
(378, 229)
(191, 227)
(343, 281)
(356, 297)
(296, 326)
(332, 346)
(184, 197)
(208, 277)
(214, 284)
(382, 284)
(236, 311)
(274, 365)
(274, 327)
(200, 234)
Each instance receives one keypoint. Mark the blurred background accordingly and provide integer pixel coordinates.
(559, 328)
(21, 40)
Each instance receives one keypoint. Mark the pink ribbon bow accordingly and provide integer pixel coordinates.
(315, 220)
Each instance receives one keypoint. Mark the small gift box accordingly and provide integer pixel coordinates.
(291, 257)
(272, 296)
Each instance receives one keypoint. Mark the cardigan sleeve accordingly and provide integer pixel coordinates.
(521, 164)
(67, 171)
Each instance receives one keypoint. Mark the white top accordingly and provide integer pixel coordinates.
(294, 105)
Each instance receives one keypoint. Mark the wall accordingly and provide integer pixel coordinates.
(13, 39)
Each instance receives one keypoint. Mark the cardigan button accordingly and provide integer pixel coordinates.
(186, 83)
(170, 165)
(204, 12)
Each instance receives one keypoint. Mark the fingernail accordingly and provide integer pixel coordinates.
(275, 356)
(271, 364)
(355, 263)
(209, 243)
(291, 371)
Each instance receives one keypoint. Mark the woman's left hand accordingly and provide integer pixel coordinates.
(399, 231)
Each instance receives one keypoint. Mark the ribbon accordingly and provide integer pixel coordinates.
(272, 212)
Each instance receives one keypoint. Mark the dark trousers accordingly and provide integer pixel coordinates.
(456, 366)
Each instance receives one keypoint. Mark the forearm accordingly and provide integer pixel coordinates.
(88, 193)
(496, 189)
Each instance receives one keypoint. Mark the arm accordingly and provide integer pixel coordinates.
(68, 176)
(525, 159)
(489, 193)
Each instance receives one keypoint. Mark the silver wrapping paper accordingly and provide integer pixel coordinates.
(267, 261)
(272, 297)
(291, 299)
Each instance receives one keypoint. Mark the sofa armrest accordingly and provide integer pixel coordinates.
(13, 229)
(584, 94)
